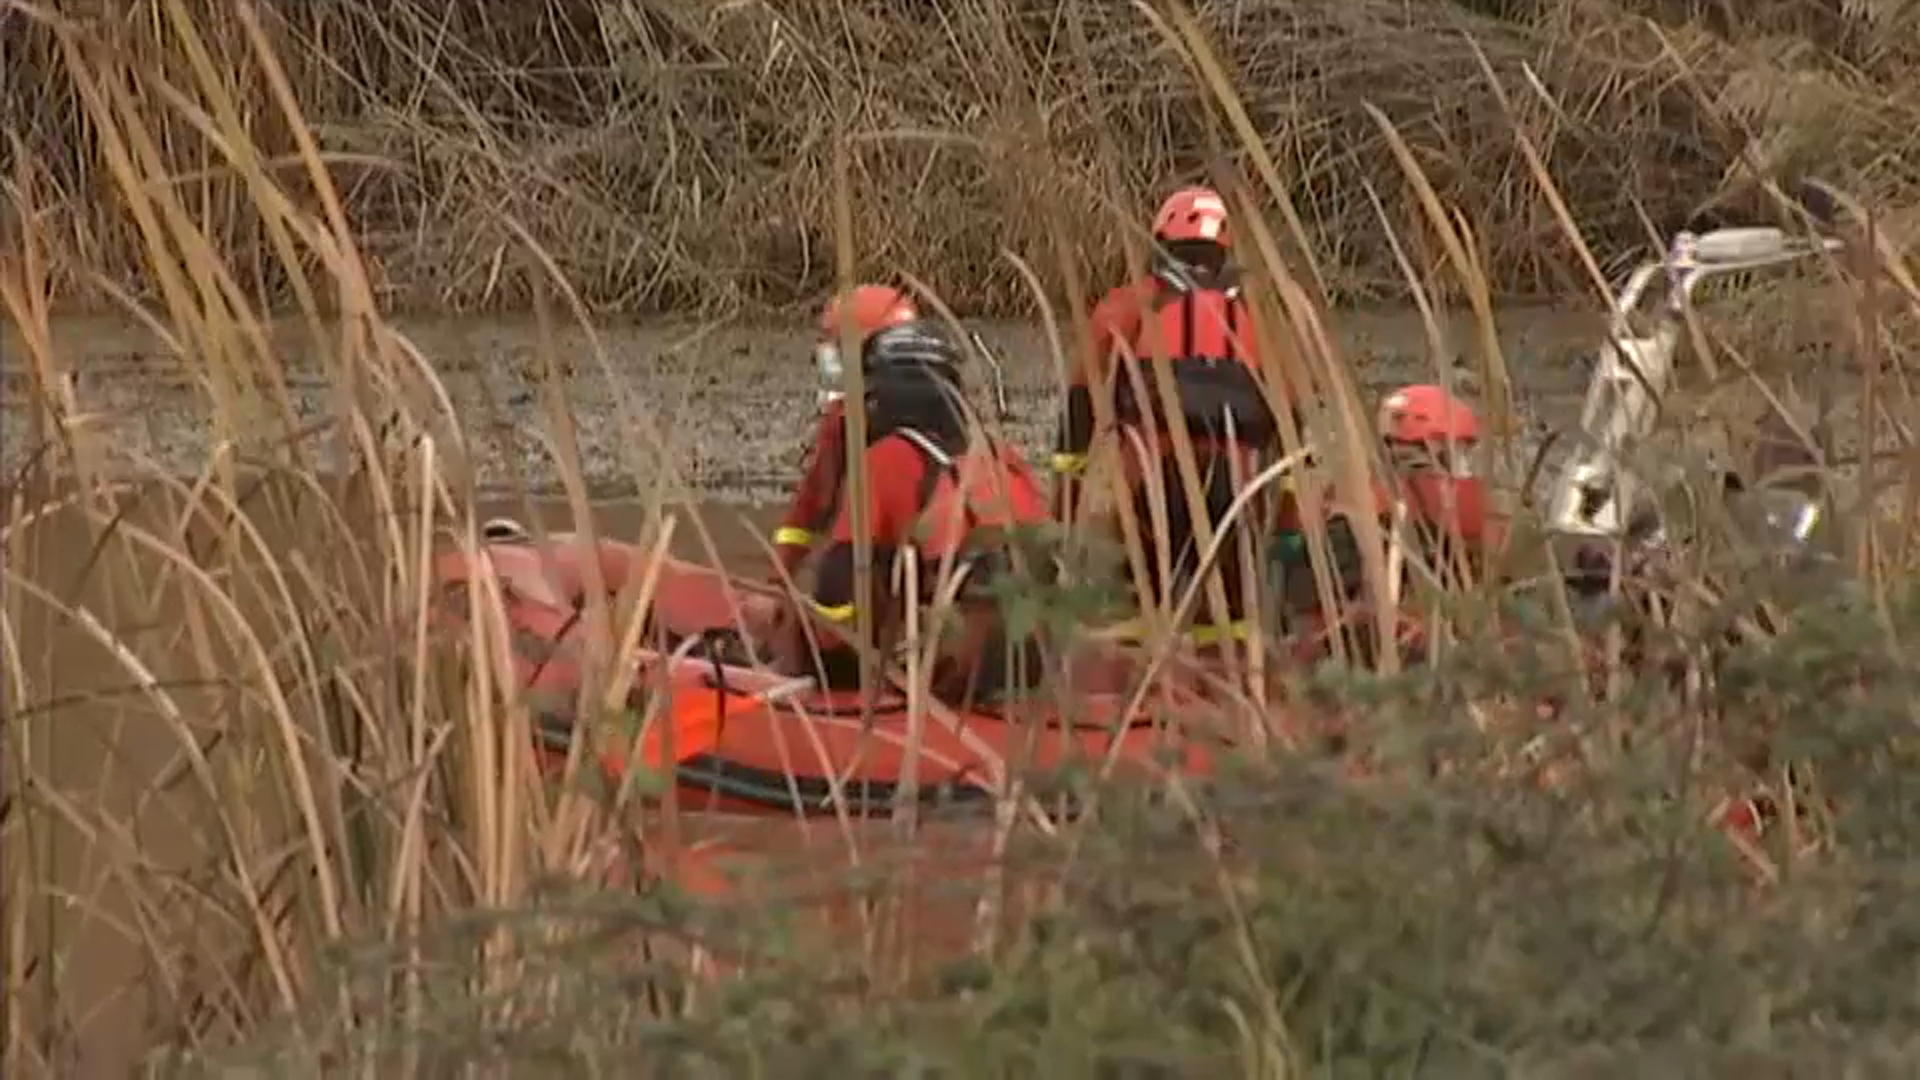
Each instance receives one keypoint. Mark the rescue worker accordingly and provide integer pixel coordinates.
(1429, 437)
(867, 309)
(931, 487)
(1190, 314)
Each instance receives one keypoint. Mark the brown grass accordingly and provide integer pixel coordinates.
(678, 156)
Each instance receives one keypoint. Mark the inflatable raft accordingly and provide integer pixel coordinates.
(740, 738)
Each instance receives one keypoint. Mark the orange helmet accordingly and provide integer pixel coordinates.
(1191, 214)
(1426, 428)
(1427, 415)
(1430, 435)
(868, 308)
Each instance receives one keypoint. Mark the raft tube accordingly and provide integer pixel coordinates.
(740, 739)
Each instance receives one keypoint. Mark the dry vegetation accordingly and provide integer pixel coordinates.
(677, 154)
(254, 816)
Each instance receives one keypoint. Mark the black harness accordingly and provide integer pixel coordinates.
(1219, 396)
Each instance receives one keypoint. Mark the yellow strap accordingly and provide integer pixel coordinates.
(790, 536)
(1069, 463)
(1214, 633)
(1136, 630)
(839, 613)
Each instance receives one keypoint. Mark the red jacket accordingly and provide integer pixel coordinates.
(1115, 321)
(1206, 322)
(815, 502)
(1441, 504)
(936, 507)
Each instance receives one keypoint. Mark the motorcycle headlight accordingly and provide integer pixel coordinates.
(1796, 517)
(1787, 519)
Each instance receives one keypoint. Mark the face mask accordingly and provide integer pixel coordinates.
(1411, 458)
(826, 362)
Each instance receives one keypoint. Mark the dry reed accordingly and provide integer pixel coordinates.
(676, 157)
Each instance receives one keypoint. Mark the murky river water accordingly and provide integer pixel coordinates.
(731, 406)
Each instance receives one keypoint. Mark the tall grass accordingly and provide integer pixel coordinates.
(677, 158)
(259, 804)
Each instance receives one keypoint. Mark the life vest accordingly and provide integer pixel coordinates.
(971, 505)
(979, 490)
(1197, 327)
(1448, 506)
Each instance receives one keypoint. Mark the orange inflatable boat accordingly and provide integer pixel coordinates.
(744, 739)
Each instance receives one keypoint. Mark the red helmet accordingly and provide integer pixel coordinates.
(1427, 415)
(1423, 426)
(1192, 214)
(868, 308)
